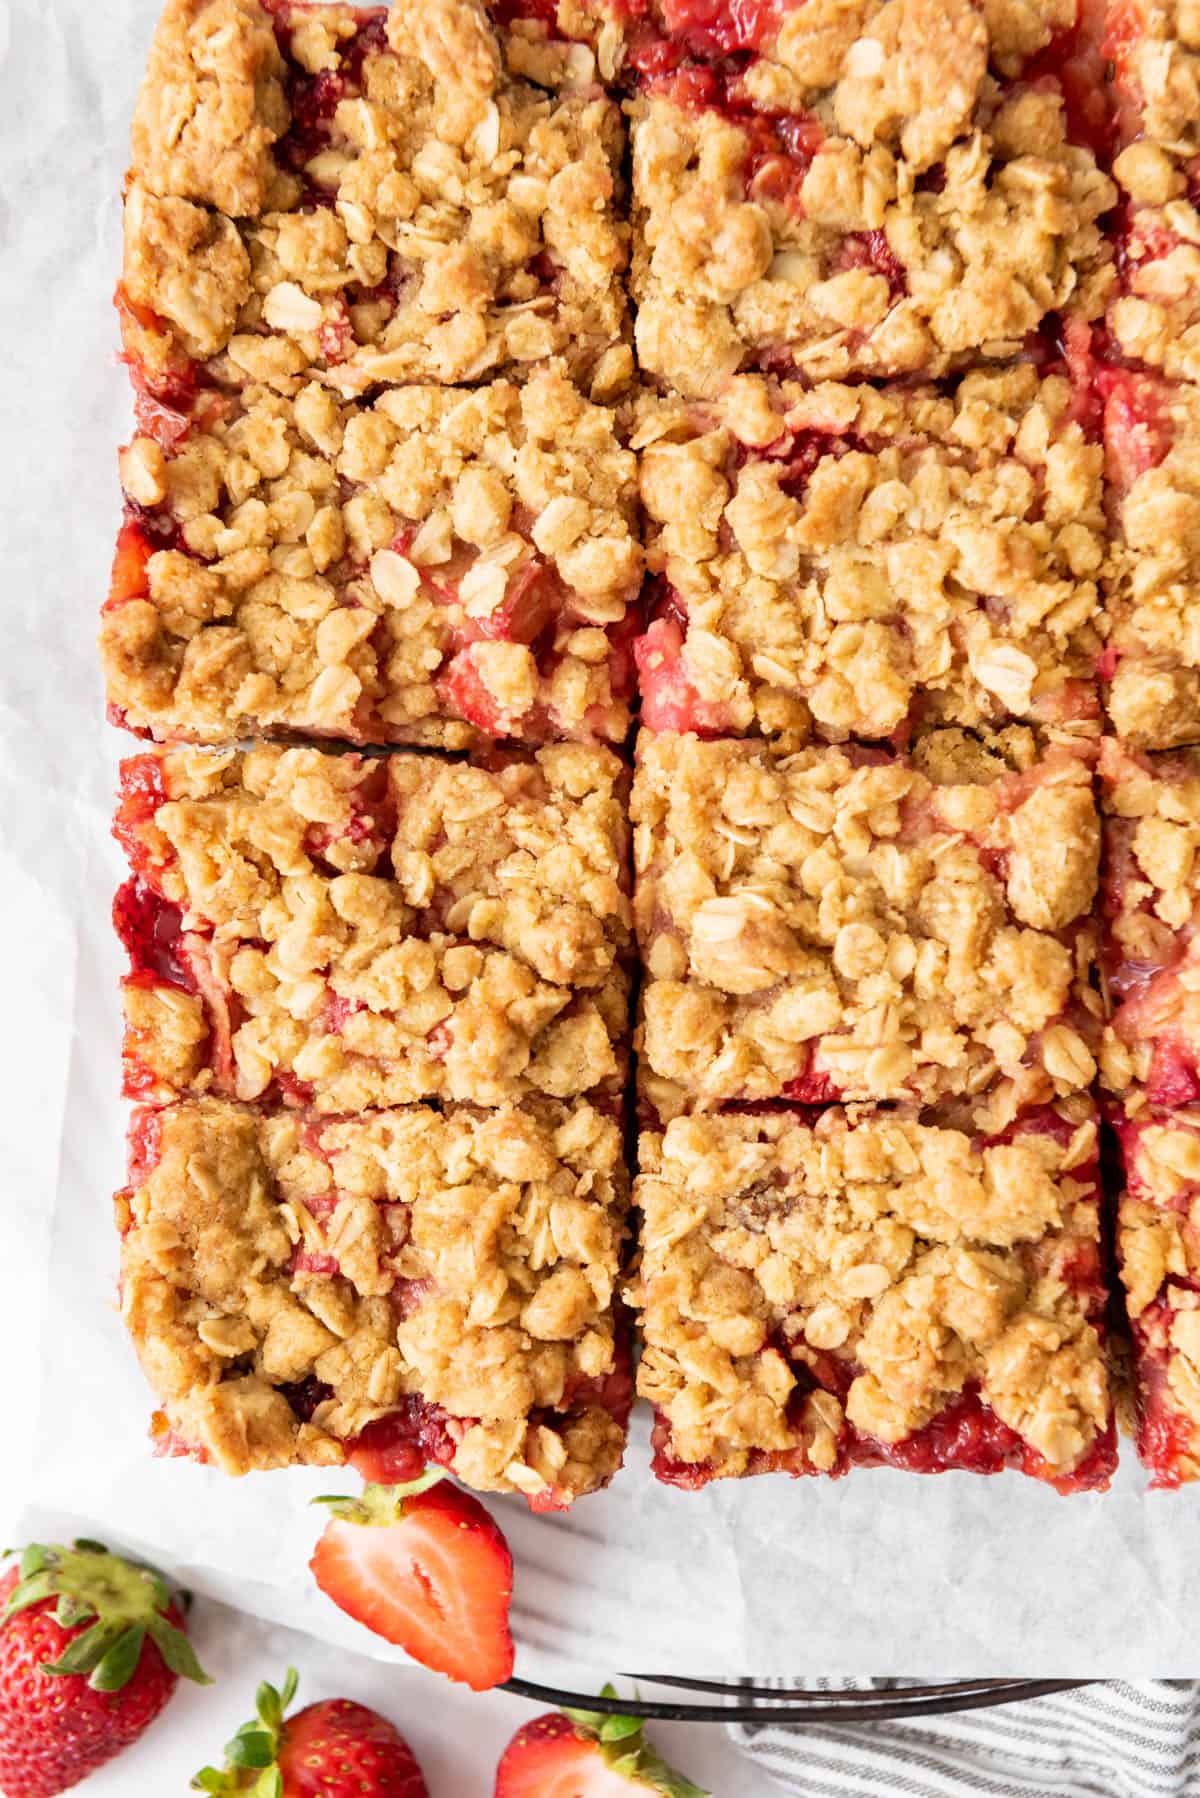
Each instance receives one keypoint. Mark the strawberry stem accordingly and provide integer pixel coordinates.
(255, 1748)
(380, 1504)
(127, 1601)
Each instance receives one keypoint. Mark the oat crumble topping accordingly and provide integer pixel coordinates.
(853, 560)
(463, 1258)
(1152, 436)
(401, 195)
(349, 933)
(1150, 945)
(1158, 1248)
(844, 924)
(439, 563)
(876, 192)
(808, 1285)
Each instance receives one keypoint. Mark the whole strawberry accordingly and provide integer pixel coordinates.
(335, 1749)
(91, 1648)
(586, 1754)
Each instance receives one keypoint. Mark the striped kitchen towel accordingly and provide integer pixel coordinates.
(1117, 1740)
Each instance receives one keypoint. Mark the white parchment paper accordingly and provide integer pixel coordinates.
(883, 1573)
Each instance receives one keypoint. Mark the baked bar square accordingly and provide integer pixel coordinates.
(1151, 948)
(443, 564)
(878, 188)
(365, 196)
(821, 1291)
(1153, 52)
(347, 933)
(399, 1287)
(860, 563)
(1152, 437)
(843, 924)
(1158, 1250)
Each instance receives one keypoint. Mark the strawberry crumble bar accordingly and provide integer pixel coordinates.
(396, 1287)
(368, 196)
(346, 933)
(847, 1289)
(1158, 1248)
(1152, 661)
(1151, 945)
(865, 187)
(1154, 51)
(440, 564)
(844, 924)
(859, 562)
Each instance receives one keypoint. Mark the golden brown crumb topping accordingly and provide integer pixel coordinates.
(741, 251)
(1153, 442)
(212, 105)
(430, 215)
(860, 556)
(1152, 905)
(1158, 73)
(383, 932)
(843, 924)
(1158, 1250)
(440, 562)
(1155, 320)
(464, 1258)
(896, 1261)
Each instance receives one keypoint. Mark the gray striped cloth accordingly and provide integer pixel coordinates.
(1116, 1740)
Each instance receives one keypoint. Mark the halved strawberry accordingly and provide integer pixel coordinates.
(423, 1566)
(586, 1754)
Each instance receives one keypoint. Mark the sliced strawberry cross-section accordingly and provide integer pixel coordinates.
(425, 1567)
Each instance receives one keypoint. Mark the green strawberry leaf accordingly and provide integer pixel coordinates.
(665, 1779)
(33, 1559)
(254, 1747)
(380, 1504)
(69, 1612)
(127, 1600)
(615, 1729)
(85, 1652)
(251, 1747)
(177, 1651)
(117, 1667)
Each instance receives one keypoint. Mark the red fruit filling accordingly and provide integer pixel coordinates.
(1074, 62)
(141, 793)
(968, 1437)
(780, 146)
(669, 700)
(151, 929)
(871, 250)
(397, 1447)
(708, 29)
(1165, 1437)
(1137, 424)
(129, 577)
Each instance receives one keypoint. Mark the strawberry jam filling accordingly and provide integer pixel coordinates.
(1166, 1436)
(151, 929)
(967, 1437)
(670, 701)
